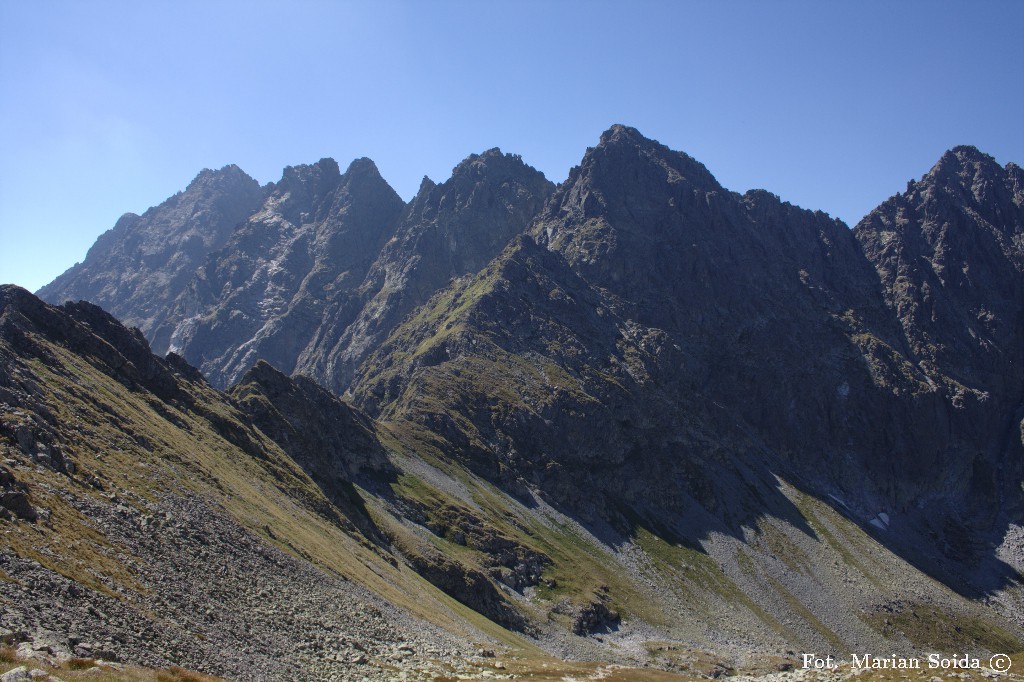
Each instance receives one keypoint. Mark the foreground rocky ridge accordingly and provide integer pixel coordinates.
(135, 483)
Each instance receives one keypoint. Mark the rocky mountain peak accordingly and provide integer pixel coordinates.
(426, 184)
(361, 188)
(484, 189)
(964, 191)
(312, 193)
(950, 255)
(361, 167)
(625, 182)
(490, 163)
(628, 204)
(422, 197)
(317, 178)
(209, 179)
(137, 268)
(624, 147)
(362, 174)
(964, 169)
(960, 157)
(623, 134)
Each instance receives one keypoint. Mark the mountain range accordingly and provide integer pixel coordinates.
(622, 417)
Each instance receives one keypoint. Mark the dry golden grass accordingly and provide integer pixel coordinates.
(80, 664)
(86, 669)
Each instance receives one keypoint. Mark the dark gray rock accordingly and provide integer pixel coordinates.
(949, 254)
(661, 343)
(18, 503)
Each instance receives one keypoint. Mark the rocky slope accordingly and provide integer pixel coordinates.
(136, 269)
(128, 483)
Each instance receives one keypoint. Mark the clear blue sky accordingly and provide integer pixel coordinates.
(108, 107)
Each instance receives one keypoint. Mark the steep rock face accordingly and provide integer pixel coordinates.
(681, 342)
(447, 231)
(330, 440)
(304, 251)
(537, 378)
(765, 300)
(950, 255)
(325, 270)
(784, 319)
(136, 269)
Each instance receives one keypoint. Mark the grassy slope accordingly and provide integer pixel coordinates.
(139, 447)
